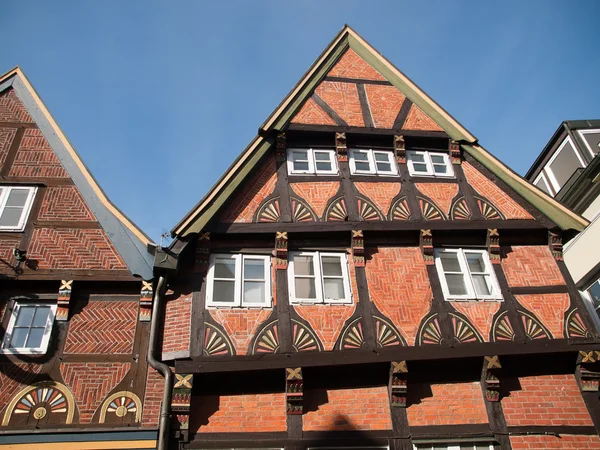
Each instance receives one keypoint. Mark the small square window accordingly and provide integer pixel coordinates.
(372, 162)
(311, 161)
(15, 204)
(29, 328)
(429, 164)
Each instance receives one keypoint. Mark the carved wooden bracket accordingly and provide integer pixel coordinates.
(64, 298)
(281, 250)
(280, 146)
(146, 295)
(294, 390)
(589, 371)
(202, 253)
(398, 385)
(426, 244)
(182, 398)
(358, 248)
(454, 149)
(491, 365)
(493, 246)
(400, 149)
(555, 244)
(341, 147)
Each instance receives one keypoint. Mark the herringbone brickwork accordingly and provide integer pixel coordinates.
(14, 377)
(349, 409)
(35, 158)
(549, 309)
(531, 266)
(240, 413)
(6, 138)
(499, 198)
(91, 382)
(316, 193)
(441, 193)
(400, 288)
(546, 400)
(12, 109)
(240, 325)
(481, 315)
(562, 442)
(7, 259)
(178, 316)
(446, 404)
(64, 203)
(418, 120)
(66, 248)
(343, 99)
(326, 320)
(381, 194)
(103, 327)
(252, 193)
(152, 398)
(385, 103)
(312, 114)
(350, 65)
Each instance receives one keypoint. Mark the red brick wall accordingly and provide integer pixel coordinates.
(546, 400)
(90, 383)
(312, 114)
(385, 103)
(12, 109)
(6, 137)
(350, 65)
(499, 198)
(316, 193)
(64, 203)
(74, 249)
(480, 314)
(350, 409)
(252, 193)
(531, 266)
(381, 194)
(441, 193)
(239, 413)
(400, 288)
(103, 327)
(7, 260)
(564, 441)
(343, 99)
(35, 158)
(178, 316)
(13, 378)
(152, 398)
(240, 325)
(549, 308)
(418, 120)
(326, 320)
(448, 404)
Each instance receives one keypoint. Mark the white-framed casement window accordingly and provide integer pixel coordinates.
(29, 328)
(591, 139)
(372, 162)
(319, 277)
(466, 274)
(563, 164)
(239, 280)
(593, 296)
(429, 164)
(543, 184)
(15, 204)
(455, 446)
(311, 161)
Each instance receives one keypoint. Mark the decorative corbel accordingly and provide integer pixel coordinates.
(454, 150)
(588, 366)
(146, 295)
(358, 248)
(294, 390)
(400, 149)
(64, 298)
(280, 145)
(202, 253)
(493, 246)
(491, 365)
(182, 398)
(426, 244)
(281, 250)
(398, 375)
(340, 146)
(555, 244)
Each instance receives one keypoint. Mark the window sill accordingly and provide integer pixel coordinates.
(238, 307)
(486, 300)
(308, 303)
(24, 351)
(431, 178)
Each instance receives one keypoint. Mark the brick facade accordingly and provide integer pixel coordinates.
(7, 136)
(381, 194)
(312, 114)
(240, 325)
(418, 120)
(562, 442)
(480, 314)
(64, 203)
(316, 193)
(35, 158)
(152, 398)
(531, 266)
(441, 194)
(176, 332)
(350, 65)
(385, 103)
(326, 320)
(7, 258)
(343, 99)
(12, 109)
(14, 377)
(549, 309)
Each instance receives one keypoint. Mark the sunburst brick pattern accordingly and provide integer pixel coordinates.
(64, 203)
(447, 404)
(6, 137)
(440, 193)
(14, 377)
(252, 193)
(562, 442)
(349, 409)
(418, 120)
(326, 320)
(343, 99)
(312, 114)
(66, 248)
(531, 266)
(499, 198)
(176, 335)
(480, 314)
(549, 309)
(91, 382)
(35, 158)
(385, 103)
(12, 109)
(240, 413)
(152, 398)
(381, 194)
(240, 325)
(546, 400)
(316, 194)
(400, 288)
(350, 65)
(103, 327)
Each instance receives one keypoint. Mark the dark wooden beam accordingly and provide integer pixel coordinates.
(526, 290)
(365, 130)
(12, 152)
(402, 114)
(329, 111)
(17, 125)
(67, 224)
(40, 181)
(364, 106)
(358, 80)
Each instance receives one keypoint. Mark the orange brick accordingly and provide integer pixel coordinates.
(531, 266)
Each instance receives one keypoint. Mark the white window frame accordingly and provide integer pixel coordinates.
(27, 207)
(429, 163)
(238, 302)
(318, 275)
(373, 170)
(453, 446)
(549, 174)
(542, 176)
(495, 295)
(312, 162)
(587, 145)
(11, 324)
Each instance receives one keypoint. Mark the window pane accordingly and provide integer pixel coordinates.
(565, 164)
(41, 316)
(420, 167)
(360, 156)
(334, 288)
(254, 292)
(437, 159)
(476, 262)
(18, 337)
(440, 169)
(332, 266)
(224, 268)
(25, 316)
(17, 197)
(450, 262)
(35, 338)
(593, 140)
(224, 291)
(300, 155)
(299, 165)
(303, 265)
(305, 288)
(456, 284)
(324, 166)
(362, 166)
(594, 291)
(322, 156)
(10, 217)
(415, 157)
(384, 167)
(382, 157)
(482, 285)
(543, 186)
(254, 269)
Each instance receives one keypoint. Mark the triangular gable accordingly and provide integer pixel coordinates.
(20, 103)
(426, 112)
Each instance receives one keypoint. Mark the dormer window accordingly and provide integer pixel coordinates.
(428, 164)
(29, 329)
(372, 162)
(15, 204)
(311, 161)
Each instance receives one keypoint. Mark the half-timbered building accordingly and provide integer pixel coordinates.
(367, 275)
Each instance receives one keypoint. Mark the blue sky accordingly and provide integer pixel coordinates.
(160, 97)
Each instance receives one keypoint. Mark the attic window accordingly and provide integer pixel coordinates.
(311, 161)
(28, 331)
(429, 164)
(15, 204)
(372, 162)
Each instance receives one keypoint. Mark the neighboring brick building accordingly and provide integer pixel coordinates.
(366, 275)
